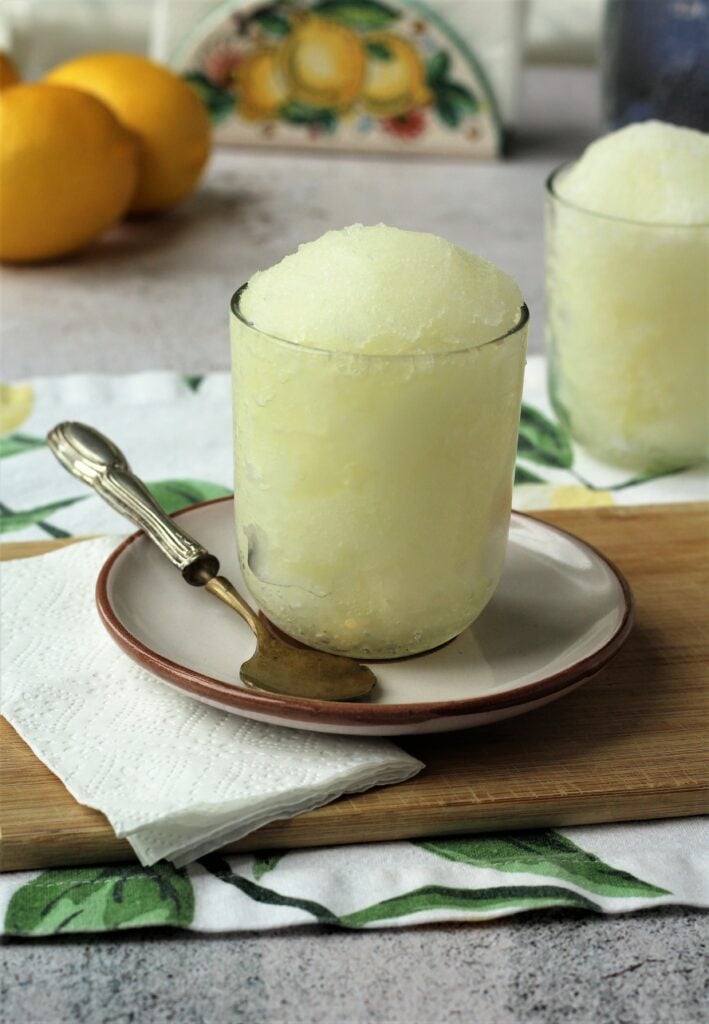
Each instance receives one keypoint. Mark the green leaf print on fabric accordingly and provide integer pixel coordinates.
(429, 897)
(11, 520)
(543, 441)
(173, 495)
(362, 15)
(265, 862)
(220, 868)
(16, 444)
(441, 897)
(193, 380)
(525, 476)
(101, 899)
(543, 852)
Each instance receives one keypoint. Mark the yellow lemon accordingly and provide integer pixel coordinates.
(9, 74)
(323, 63)
(67, 167)
(395, 79)
(161, 109)
(16, 401)
(261, 85)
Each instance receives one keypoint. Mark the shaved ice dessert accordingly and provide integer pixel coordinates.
(382, 291)
(377, 388)
(628, 296)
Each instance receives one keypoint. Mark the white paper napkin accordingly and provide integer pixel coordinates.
(175, 777)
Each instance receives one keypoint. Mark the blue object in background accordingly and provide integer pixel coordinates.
(655, 62)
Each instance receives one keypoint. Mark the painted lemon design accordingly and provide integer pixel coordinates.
(261, 85)
(16, 401)
(395, 78)
(323, 63)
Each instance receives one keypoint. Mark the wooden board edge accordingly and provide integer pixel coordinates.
(14, 549)
(20, 853)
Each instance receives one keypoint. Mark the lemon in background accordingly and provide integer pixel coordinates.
(395, 78)
(323, 63)
(169, 119)
(261, 85)
(68, 169)
(9, 75)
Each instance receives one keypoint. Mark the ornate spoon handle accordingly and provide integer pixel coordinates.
(95, 460)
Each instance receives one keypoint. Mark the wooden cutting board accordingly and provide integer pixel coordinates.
(629, 744)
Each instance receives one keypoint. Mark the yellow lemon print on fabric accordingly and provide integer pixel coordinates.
(323, 63)
(528, 497)
(574, 496)
(16, 401)
(395, 78)
(261, 85)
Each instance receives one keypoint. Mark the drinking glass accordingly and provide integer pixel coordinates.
(628, 334)
(373, 492)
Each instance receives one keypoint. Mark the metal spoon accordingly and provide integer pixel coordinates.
(277, 666)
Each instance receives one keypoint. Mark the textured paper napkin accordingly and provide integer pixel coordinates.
(175, 777)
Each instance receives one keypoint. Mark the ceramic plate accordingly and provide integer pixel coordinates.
(560, 613)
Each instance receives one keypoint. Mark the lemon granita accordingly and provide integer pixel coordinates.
(377, 388)
(628, 285)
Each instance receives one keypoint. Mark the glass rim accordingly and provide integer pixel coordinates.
(552, 191)
(516, 328)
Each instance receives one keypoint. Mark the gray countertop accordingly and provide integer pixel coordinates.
(154, 295)
(549, 968)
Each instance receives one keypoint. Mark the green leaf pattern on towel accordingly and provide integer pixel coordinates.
(11, 520)
(542, 852)
(128, 896)
(441, 897)
(543, 441)
(265, 862)
(172, 495)
(101, 899)
(525, 476)
(17, 444)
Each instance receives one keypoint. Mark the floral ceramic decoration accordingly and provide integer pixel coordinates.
(341, 74)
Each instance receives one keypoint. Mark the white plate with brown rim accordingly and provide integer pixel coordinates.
(559, 614)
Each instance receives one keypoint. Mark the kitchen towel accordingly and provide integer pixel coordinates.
(602, 869)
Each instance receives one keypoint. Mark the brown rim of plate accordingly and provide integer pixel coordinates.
(355, 713)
